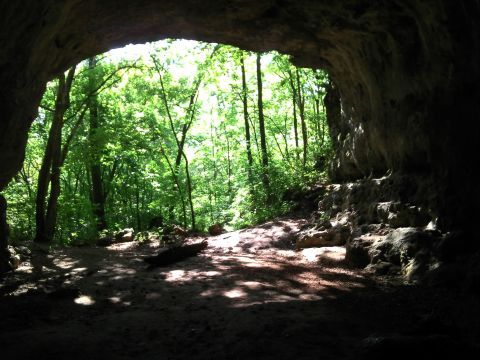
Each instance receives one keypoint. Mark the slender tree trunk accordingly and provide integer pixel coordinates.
(294, 106)
(261, 126)
(177, 183)
(211, 186)
(285, 139)
(318, 122)
(137, 203)
(186, 126)
(97, 194)
(301, 107)
(229, 167)
(189, 188)
(247, 123)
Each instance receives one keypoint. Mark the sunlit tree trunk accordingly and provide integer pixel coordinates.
(229, 166)
(247, 122)
(293, 88)
(212, 194)
(177, 184)
(189, 189)
(137, 203)
(191, 112)
(301, 108)
(261, 126)
(285, 139)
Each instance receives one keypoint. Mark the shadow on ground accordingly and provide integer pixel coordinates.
(240, 299)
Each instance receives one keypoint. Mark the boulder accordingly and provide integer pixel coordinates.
(403, 244)
(107, 239)
(333, 236)
(215, 229)
(23, 251)
(14, 257)
(410, 250)
(399, 215)
(358, 250)
(125, 235)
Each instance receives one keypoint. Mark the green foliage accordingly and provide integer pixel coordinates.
(145, 105)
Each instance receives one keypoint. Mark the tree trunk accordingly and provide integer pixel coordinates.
(261, 126)
(189, 188)
(177, 183)
(186, 126)
(301, 108)
(229, 166)
(57, 161)
(285, 139)
(137, 203)
(318, 121)
(97, 194)
(294, 105)
(51, 164)
(51, 214)
(247, 123)
(45, 171)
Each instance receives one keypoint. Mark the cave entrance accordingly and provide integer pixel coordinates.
(405, 125)
(170, 133)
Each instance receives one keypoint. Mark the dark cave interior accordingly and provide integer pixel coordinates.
(405, 102)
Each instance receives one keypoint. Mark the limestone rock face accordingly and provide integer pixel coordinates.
(383, 233)
(336, 232)
(399, 215)
(414, 252)
(405, 73)
(317, 238)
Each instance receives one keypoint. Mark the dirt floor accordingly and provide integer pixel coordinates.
(249, 295)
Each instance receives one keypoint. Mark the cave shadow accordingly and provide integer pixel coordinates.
(213, 306)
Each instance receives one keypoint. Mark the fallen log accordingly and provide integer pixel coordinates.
(175, 254)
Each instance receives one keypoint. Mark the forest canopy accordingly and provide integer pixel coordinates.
(187, 132)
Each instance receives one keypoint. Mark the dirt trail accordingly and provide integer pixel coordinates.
(248, 296)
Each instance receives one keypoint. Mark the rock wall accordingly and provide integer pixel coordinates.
(388, 235)
(405, 72)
